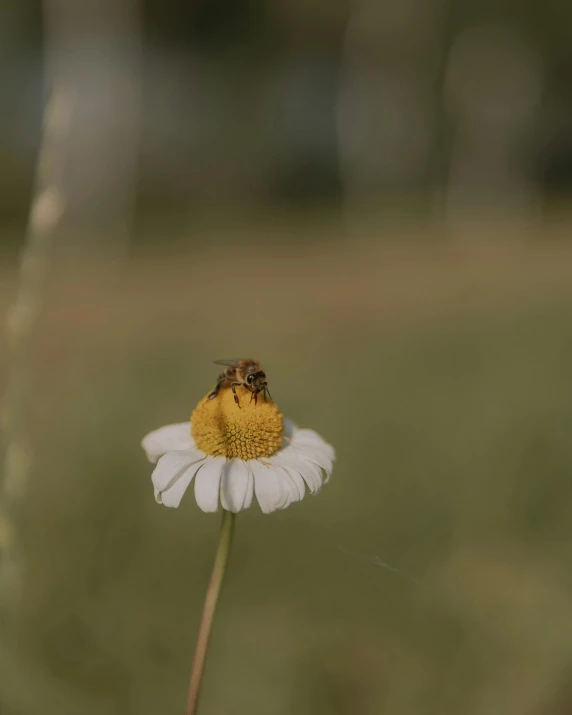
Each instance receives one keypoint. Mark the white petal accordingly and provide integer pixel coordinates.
(269, 487)
(312, 439)
(171, 466)
(249, 496)
(297, 462)
(293, 482)
(313, 455)
(167, 439)
(236, 486)
(313, 447)
(289, 429)
(174, 493)
(207, 483)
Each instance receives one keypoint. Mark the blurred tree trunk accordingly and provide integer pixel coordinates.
(492, 91)
(83, 197)
(386, 118)
(93, 48)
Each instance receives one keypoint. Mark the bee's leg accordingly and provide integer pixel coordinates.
(219, 384)
(215, 392)
(266, 390)
(255, 395)
(233, 388)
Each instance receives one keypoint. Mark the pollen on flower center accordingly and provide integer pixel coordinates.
(220, 427)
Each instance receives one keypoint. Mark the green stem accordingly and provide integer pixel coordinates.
(213, 591)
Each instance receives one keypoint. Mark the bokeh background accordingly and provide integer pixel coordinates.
(374, 200)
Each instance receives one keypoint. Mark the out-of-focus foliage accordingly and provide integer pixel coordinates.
(246, 105)
(367, 197)
(442, 378)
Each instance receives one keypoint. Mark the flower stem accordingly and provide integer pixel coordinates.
(213, 591)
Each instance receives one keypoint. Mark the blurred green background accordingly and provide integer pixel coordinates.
(374, 201)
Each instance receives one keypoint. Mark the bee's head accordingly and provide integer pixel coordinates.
(256, 381)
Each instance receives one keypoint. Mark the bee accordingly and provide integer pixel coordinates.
(245, 372)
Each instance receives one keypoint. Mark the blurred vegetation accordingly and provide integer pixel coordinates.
(449, 412)
(246, 105)
(374, 200)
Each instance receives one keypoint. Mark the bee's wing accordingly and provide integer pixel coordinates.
(231, 363)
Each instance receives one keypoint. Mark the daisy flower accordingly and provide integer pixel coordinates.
(233, 453)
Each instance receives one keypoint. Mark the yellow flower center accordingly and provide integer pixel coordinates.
(221, 427)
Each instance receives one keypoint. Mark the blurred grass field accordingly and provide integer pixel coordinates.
(441, 373)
